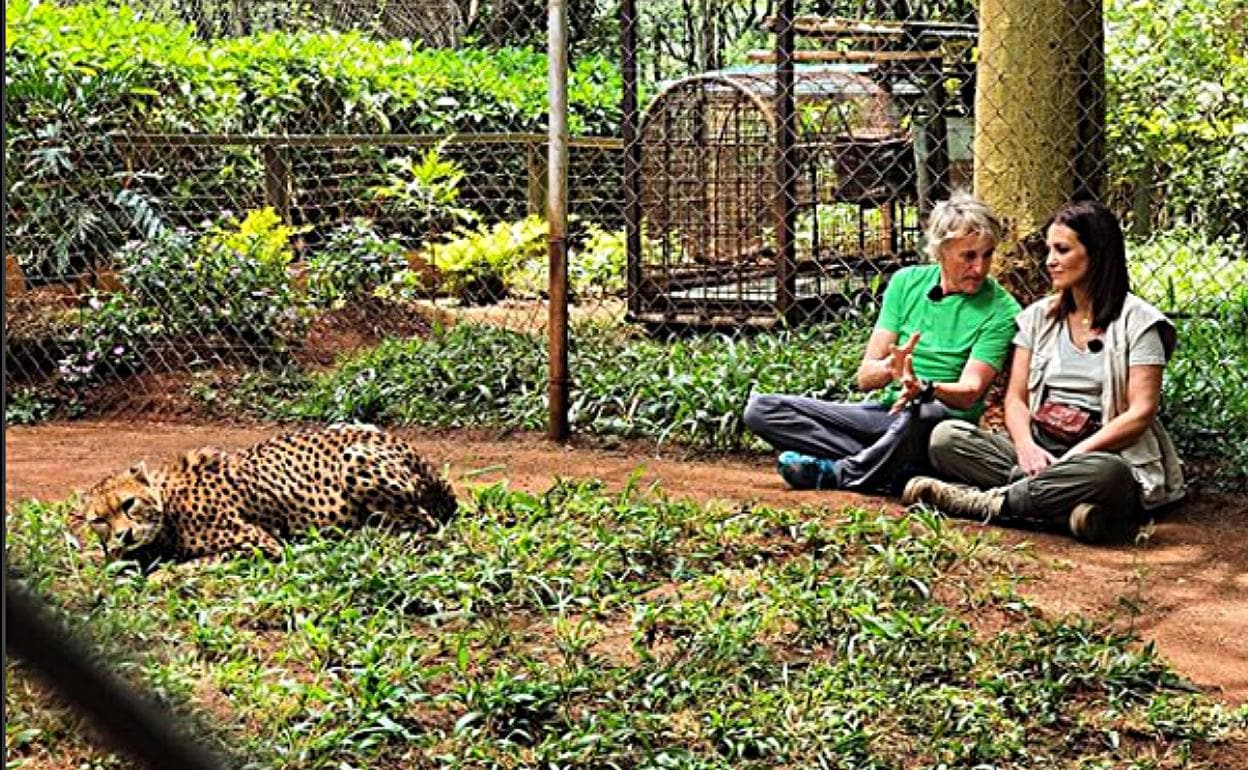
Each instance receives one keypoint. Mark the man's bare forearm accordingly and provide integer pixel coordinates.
(874, 374)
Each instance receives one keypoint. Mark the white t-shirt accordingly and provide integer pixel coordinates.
(1076, 377)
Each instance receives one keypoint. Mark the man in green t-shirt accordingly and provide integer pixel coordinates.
(957, 322)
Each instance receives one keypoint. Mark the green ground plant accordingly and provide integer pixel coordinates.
(689, 390)
(353, 264)
(581, 628)
(231, 279)
(692, 391)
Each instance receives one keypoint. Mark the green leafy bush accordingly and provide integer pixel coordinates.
(1177, 139)
(1183, 271)
(354, 261)
(114, 333)
(232, 280)
(77, 73)
(424, 193)
(275, 82)
(495, 261)
(1205, 397)
(484, 265)
(597, 265)
(73, 75)
(229, 284)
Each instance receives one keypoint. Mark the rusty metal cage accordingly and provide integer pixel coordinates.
(708, 197)
(879, 136)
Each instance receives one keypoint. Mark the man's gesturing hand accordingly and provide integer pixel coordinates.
(899, 358)
(911, 385)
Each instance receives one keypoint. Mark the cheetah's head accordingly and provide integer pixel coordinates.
(125, 511)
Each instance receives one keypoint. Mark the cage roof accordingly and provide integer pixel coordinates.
(845, 78)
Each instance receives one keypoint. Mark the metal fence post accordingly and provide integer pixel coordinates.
(786, 166)
(557, 216)
(632, 152)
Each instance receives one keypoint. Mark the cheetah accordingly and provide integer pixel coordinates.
(210, 502)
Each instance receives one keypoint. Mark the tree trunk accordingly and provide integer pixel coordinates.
(1039, 122)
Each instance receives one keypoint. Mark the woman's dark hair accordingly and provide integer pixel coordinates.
(1101, 235)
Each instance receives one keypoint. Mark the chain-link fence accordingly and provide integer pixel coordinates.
(333, 210)
(272, 205)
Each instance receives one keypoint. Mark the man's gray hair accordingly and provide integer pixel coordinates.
(963, 214)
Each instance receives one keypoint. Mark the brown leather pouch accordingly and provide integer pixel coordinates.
(1067, 424)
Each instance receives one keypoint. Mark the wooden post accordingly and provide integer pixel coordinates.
(14, 276)
(277, 180)
(537, 179)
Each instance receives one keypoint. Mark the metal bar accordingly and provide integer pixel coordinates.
(557, 217)
(817, 26)
(132, 723)
(632, 152)
(786, 167)
(348, 140)
(936, 97)
(867, 57)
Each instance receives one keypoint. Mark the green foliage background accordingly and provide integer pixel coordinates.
(1177, 133)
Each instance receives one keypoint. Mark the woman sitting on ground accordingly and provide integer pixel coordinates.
(1085, 449)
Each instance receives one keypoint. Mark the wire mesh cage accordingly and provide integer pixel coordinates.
(871, 152)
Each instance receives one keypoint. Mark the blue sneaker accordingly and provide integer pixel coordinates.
(805, 472)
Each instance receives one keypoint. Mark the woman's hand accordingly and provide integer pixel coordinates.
(1032, 457)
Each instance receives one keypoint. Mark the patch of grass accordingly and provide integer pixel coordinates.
(465, 375)
(577, 628)
(687, 390)
(693, 391)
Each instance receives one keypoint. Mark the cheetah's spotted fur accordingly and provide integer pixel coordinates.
(211, 501)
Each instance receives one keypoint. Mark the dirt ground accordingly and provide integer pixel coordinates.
(1186, 587)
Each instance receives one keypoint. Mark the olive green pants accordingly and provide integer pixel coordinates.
(962, 452)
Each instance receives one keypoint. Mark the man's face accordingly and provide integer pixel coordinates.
(965, 262)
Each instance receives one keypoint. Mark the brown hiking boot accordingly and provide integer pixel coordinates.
(1090, 523)
(954, 499)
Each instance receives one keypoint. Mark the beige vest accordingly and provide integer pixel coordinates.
(1154, 461)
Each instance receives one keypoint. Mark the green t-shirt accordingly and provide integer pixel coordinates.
(953, 329)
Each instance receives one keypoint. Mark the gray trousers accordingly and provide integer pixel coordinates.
(984, 459)
(874, 449)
